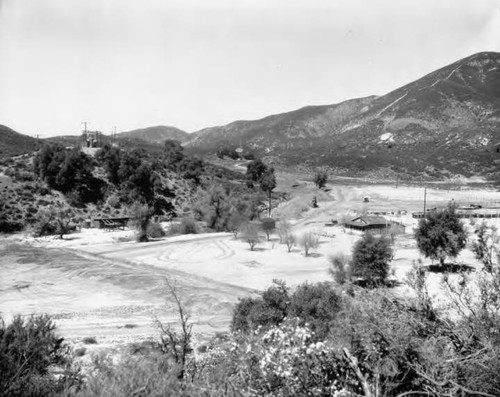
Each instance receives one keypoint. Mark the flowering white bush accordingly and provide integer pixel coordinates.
(285, 361)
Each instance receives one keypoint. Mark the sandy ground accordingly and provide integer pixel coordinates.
(96, 283)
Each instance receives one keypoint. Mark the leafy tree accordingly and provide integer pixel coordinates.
(487, 245)
(320, 178)
(285, 234)
(370, 259)
(192, 168)
(267, 184)
(236, 222)
(110, 157)
(141, 220)
(255, 171)
(340, 268)
(53, 220)
(308, 241)
(173, 154)
(440, 234)
(216, 207)
(250, 234)
(268, 225)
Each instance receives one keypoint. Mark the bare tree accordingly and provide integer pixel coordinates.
(177, 343)
(309, 241)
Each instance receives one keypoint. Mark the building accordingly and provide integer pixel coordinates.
(92, 139)
(374, 223)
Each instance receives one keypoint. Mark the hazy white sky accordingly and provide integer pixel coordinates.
(195, 64)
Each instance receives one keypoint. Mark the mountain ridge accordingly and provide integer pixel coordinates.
(445, 122)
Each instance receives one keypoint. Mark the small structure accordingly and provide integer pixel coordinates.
(364, 223)
(375, 223)
(92, 139)
(111, 223)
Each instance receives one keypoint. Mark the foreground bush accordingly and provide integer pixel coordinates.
(30, 352)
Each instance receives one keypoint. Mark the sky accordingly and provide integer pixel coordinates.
(196, 64)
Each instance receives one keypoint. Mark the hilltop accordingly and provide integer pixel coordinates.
(157, 134)
(446, 123)
(13, 143)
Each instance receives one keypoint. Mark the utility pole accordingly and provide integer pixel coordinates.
(425, 199)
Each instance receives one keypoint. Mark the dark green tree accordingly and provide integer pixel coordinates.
(255, 171)
(320, 178)
(267, 184)
(440, 234)
(370, 260)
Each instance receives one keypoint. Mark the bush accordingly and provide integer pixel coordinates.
(89, 340)
(155, 230)
(265, 311)
(10, 226)
(187, 225)
(316, 305)
(28, 348)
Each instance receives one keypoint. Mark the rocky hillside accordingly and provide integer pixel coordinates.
(13, 143)
(446, 123)
(156, 135)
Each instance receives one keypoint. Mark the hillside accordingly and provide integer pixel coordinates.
(446, 123)
(157, 134)
(13, 143)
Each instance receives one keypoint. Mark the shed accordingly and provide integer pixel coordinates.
(111, 223)
(364, 223)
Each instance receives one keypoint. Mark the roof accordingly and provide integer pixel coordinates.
(369, 220)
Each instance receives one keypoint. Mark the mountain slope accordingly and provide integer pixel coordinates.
(446, 122)
(13, 143)
(157, 134)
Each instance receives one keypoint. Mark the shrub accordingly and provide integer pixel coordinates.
(28, 348)
(316, 305)
(265, 311)
(155, 230)
(89, 340)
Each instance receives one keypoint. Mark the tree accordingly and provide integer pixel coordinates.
(285, 234)
(267, 184)
(340, 268)
(173, 154)
(109, 157)
(268, 225)
(486, 245)
(53, 220)
(255, 171)
(251, 235)
(309, 241)
(370, 260)
(141, 219)
(320, 179)
(177, 344)
(440, 234)
(235, 222)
